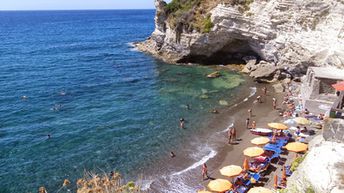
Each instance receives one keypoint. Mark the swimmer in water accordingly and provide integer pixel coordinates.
(182, 123)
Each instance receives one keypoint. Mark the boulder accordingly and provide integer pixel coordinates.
(264, 71)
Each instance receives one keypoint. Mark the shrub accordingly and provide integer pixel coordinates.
(310, 190)
(105, 183)
(207, 25)
(296, 163)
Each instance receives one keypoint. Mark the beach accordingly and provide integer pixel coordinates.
(262, 113)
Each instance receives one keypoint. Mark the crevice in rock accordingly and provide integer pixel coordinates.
(231, 53)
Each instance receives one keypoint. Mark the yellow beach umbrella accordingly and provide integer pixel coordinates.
(279, 126)
(231, 170)
(203, 191)
(296, 147)
(253, 151)
(219, 185)
(260, 140)
(259, 190)
(302, 121)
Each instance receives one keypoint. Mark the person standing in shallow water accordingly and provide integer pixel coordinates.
(229, 134)
(205, 172)
(182, 123)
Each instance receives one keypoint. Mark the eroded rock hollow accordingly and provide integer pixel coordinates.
(271, 36)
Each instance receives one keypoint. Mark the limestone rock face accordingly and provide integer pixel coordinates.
(323, 167)
(285, 33)
(322, 170)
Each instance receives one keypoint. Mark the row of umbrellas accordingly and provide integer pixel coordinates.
(222, 185)
(281, 126)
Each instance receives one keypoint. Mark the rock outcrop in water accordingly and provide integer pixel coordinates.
(281, 36)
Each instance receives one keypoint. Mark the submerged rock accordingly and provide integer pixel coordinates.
(203, 96)
(214, 75)
(223, 103)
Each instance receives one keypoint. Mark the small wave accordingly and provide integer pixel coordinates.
(228, 127)
(132, 47)
(146, 184)
(253, 91)
(211, 154)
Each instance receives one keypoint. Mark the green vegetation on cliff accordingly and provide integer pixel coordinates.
(190, 15)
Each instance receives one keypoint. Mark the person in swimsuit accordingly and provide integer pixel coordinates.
(181, 123)
(205, 172)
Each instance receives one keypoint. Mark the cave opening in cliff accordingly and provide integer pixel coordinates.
(231, 53)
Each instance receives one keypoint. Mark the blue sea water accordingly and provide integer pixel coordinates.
(105, 105)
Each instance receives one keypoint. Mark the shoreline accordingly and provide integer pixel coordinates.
(216, 140)
(262, 114)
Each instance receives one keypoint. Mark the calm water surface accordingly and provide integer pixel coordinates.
(105, 105)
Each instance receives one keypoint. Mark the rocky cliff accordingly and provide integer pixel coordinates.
(323, 168)
(274, 37)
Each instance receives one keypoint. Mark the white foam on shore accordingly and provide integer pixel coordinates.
(228, 127)
(204, 159)
(252, 92)
(146, 184)
(132, 47)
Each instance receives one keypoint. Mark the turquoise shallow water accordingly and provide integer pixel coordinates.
(105, 105)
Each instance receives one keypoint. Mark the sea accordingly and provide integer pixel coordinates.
(76, 97)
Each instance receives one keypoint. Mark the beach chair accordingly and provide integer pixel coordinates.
(241, 189)
(255, 176)
(288, 171)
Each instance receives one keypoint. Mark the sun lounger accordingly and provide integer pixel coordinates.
(255, 176)
(273, 147)
(288, 171)
(259, 167)
(241, 189)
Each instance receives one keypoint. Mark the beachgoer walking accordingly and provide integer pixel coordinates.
(181, 123)
(233, 131)
(205, 172)
(274, 103)
(265, 90)
(298, 130)
(249, 113)
(230, 136)
(247, 123)
(259, 99)
(254, 125)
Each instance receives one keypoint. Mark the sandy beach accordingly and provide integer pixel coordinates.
(262, 113)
